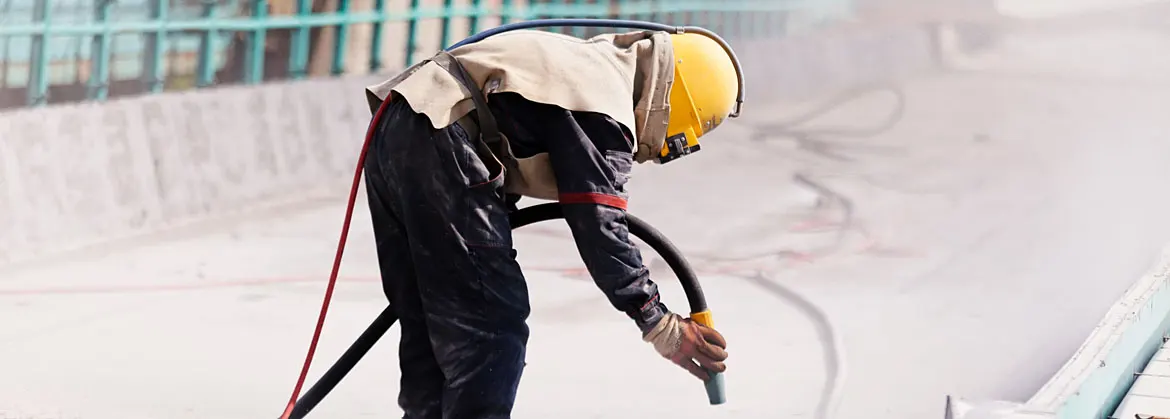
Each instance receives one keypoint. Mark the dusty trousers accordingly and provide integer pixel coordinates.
(448, 268)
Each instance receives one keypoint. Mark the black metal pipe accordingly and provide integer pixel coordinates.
(520, 218)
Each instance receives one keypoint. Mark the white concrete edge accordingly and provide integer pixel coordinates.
(1098, 375)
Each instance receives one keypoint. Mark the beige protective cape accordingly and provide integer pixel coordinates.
(625, 76)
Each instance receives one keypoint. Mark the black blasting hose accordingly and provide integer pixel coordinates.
(520, 218)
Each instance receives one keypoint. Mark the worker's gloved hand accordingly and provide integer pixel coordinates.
(690, 345)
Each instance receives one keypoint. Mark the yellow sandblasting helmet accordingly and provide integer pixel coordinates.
(703, 94)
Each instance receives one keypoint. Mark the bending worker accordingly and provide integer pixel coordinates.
(458, 138)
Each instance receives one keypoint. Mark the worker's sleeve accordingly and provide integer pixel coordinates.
(591, 157)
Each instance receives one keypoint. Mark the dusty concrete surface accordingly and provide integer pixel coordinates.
(968, 251)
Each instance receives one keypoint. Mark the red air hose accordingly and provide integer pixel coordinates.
(353, 191)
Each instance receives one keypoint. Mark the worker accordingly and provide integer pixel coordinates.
(458, 138)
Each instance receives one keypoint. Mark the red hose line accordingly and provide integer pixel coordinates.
(353, 191)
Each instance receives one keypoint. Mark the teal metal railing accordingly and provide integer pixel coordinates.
(153, 44)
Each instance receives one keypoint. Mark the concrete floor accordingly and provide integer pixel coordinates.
(966, 251)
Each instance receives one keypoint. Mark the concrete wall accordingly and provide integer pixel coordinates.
(77, 175)
(81, 174)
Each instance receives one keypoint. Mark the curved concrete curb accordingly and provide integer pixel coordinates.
(1095, 380)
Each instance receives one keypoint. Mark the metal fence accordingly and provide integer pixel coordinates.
(54, 51)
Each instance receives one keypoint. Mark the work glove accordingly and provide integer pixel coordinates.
(692, 346)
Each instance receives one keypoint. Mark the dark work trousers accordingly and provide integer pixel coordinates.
(448, 268)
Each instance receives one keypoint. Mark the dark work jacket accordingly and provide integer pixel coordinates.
(591, 157)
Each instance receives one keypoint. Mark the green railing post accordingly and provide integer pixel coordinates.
(298, 57)
(254, 63)
(445, 23)
(206, 66)
(412, 33)
(38, 82)
(340, 39)
(779, 23)
(760, 24)
(624, 10)
(473, 20)
(5, 60)
(376, 34)
(744, 23)
(506, 11)
(99, 77)
(769, 22)
(579, 31)
(154, 70)
(543, 7)
(728, 25)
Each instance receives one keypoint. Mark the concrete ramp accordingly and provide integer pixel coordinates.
(969, 249)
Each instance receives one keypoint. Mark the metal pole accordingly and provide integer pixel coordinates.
(206, 66)
(579, 31)
(156, 47)
(254, 61)
(376, 37)
(473, 20)
(298, 58)
(506, 11)
(38, 83)
(99, 77)
(445, 22)
(412, 33)
(340, 39)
